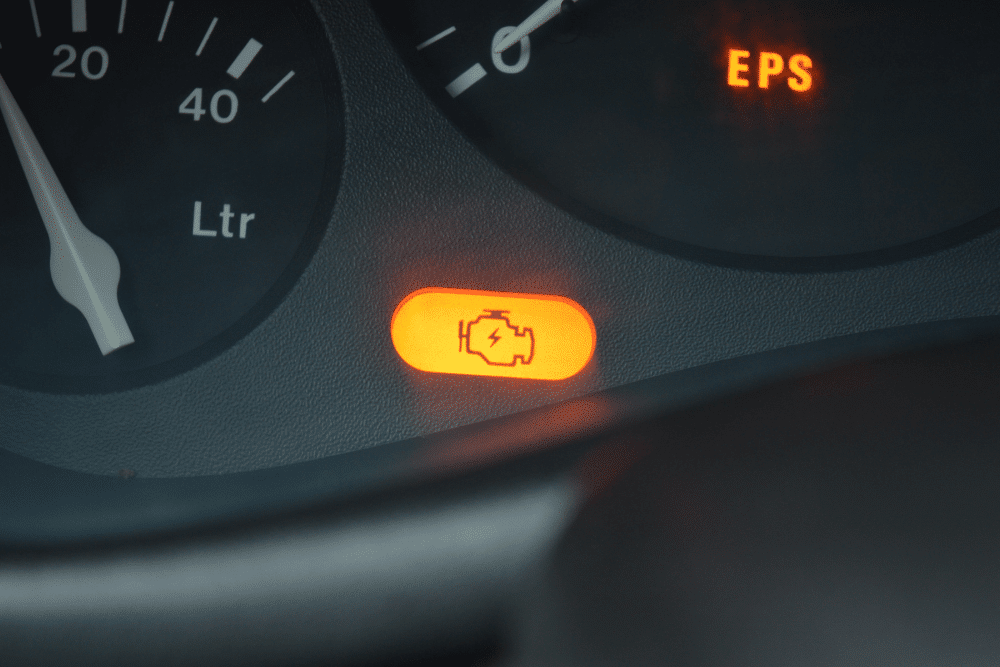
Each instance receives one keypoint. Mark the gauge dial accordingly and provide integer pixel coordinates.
(167, 171)
(788, 135)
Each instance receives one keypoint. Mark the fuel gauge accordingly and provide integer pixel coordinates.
(167, 170)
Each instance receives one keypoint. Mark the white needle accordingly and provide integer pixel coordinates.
(538, 18)
(84, 268)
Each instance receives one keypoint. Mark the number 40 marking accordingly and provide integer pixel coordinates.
(192, 105)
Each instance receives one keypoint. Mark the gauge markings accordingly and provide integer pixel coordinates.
(278, 86)
(208, 33)
(438, 37)
(121, 18)
(34, 16)
(79, 15)
(243, 60)
(465, 80)
(166, 20)
(126, 287)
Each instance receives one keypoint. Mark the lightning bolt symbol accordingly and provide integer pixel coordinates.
(494, 337)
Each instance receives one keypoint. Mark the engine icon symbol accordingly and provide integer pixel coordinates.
(496, 340)
(500, 334)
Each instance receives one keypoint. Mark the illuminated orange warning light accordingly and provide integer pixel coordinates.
(501, 334)
(770, 65)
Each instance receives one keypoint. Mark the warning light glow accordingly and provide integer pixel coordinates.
(800, 64)
(500, 334)
(736, 66)
(770, 65)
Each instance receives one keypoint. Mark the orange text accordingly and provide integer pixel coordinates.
(770, 65)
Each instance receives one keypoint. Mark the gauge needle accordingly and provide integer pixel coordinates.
(85, 270)
(538, 18)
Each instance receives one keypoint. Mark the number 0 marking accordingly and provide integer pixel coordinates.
(233, 106)
(522, 59)
(85, 63)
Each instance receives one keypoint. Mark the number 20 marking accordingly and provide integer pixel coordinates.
(85, 62)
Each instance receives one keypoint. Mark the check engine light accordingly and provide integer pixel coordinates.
(499, 334)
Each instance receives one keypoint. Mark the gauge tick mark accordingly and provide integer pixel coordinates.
(208, 33)
(436, 38)
(244, 59)
(166, 20)
(121, 18)
(34, 16)
(79, 15)
(465, 80)
(278, 86)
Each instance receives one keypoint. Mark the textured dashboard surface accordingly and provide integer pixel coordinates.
(420, 207)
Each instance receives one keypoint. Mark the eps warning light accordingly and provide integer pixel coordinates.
(770, 65)
(500, 334)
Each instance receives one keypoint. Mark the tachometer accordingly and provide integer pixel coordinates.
(166, 171)
(777, 134)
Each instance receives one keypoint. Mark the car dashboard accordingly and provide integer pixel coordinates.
(777, 449)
